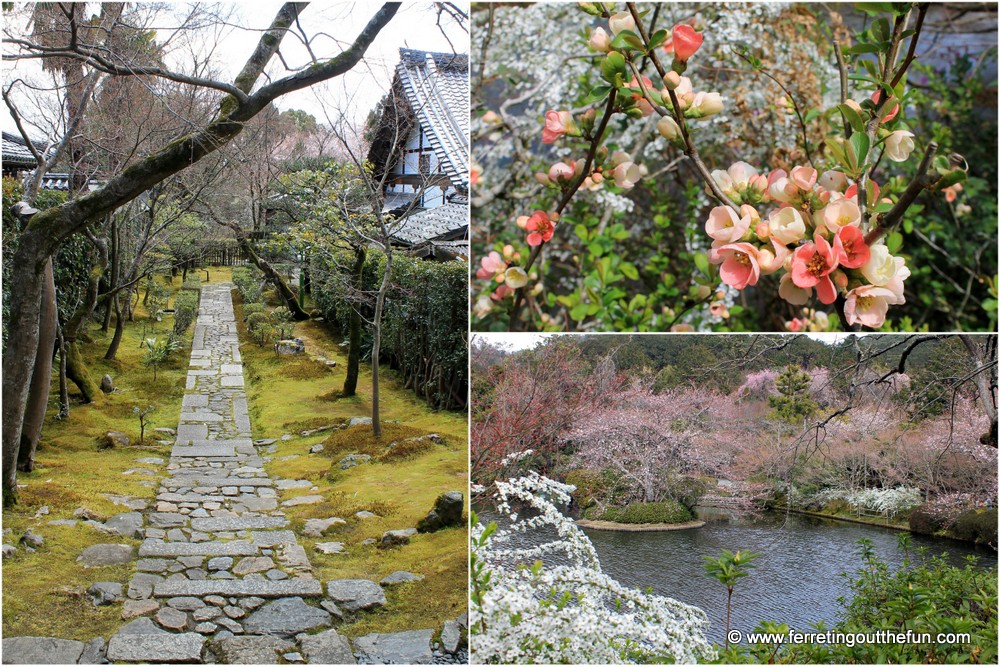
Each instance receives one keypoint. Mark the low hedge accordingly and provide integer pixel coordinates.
(185, 309)
(979, 526)
(668, 511)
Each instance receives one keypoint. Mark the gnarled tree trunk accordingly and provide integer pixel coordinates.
(354, 332)
(272, 276)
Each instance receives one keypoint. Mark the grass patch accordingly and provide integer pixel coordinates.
(400, 490)
(43, 591)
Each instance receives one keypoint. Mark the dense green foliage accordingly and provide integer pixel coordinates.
(423, 325)
(668, 511)
(793, 404)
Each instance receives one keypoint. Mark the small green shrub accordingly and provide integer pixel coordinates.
(257, 320)
(247, 281)
(668, 511)
(925, 522)
(251, 308)
(193, 282)
(185, 310)
(589, 486)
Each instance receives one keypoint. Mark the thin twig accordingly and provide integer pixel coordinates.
(889, 220)
(842, 67)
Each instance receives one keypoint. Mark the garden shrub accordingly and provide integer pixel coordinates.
(589, 486)
(424, 320)
(924, 521)
(667, 511)
(251, 308)
(247, 280)
(193, 282)
(689, 491)
(978, 526)
(185, 310)
(256, 320)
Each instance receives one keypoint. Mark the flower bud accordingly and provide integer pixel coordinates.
(491, 117)
(686, 41)
(672, 80)
(669, 128)
(621, 21)
(600, 41)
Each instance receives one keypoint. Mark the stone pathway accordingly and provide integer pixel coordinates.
(220, 577)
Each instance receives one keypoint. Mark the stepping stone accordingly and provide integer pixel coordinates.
(241, 587)
(213, 548)
(253, 564)
(105, 593)
(194, 401)
(412, 647)
(172, 619)
(286, 617)
(189, 432)
(399, 577)
(392, 538)
(231, 381)
(103, 555)
(365, 514)
(220, 563)
(216, 524)
(135, 608)
(140, 471)
(128, 524)
(302, 500)
(252, 650)
(167, 519)
(166, 647)
(186, 603)
(93, 652)
(451, 637)
(272, 538)
(201, 417)
(316, 527)
(327, 648)
(355, 594)
(41, 651)
(293, 484)
(254, 504)
(131, 503)
(330, 547)
(153, 461)
(141, 585)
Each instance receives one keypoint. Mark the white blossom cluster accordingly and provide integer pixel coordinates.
(891, 501)
(567, 611)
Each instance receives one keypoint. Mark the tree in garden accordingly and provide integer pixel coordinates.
(793, 402)
(238, 102)
(825, 221)
(728, 569)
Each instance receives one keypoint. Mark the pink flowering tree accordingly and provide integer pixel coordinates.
(818, 231)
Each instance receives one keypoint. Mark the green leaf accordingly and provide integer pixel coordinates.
(908, 226)
(581, 231)
(859, 142)
(627, 39)
(875, 8)
(597, 94)
(613, 67)
(880, 29)
(596, 249)
(894, 242)
(629, 270)
(579, 311)
(951, 178)
(657, 38)
(858, 49)
(852, 117)
(701, 261)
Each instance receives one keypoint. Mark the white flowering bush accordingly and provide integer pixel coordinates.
(539, 595)
(888, 501)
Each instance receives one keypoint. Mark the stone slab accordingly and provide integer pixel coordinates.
(201, 417)
(232, 369)
(204, 450)
(189, 432)
(328, 648)
(412, 647)
(40, 651)
(231, 381)
(271, 538)
(215, 524)
(171, 648)
(286, 617)
(195, 401)
(248, 586)
(159, 549)
(193, 480)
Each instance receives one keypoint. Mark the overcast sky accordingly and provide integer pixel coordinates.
(525, 341)
(335, 24)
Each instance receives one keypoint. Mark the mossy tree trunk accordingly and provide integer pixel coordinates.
(354, 332)
(48, 229)
(41, 377)
(288, 296)
(377, 340)
(119, 329)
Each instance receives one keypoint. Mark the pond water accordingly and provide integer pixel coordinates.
(797, 578)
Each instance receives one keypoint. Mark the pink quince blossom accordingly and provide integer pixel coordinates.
(833, 181)
(804, 177)
(557, 123)
(685, 42)
(867, 305)
(600, 41)
(850, 247)
(725, 226)
(773, 258)
(812, 264)
(492, 266)
(739, 264)
(876, 96)
(792, 293)
(561, 171)
(641, 102)
(541, 227)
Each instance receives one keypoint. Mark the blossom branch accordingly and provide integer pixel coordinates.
(568, 195)
(689, 148)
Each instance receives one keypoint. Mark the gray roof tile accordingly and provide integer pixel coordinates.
(440, 223)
